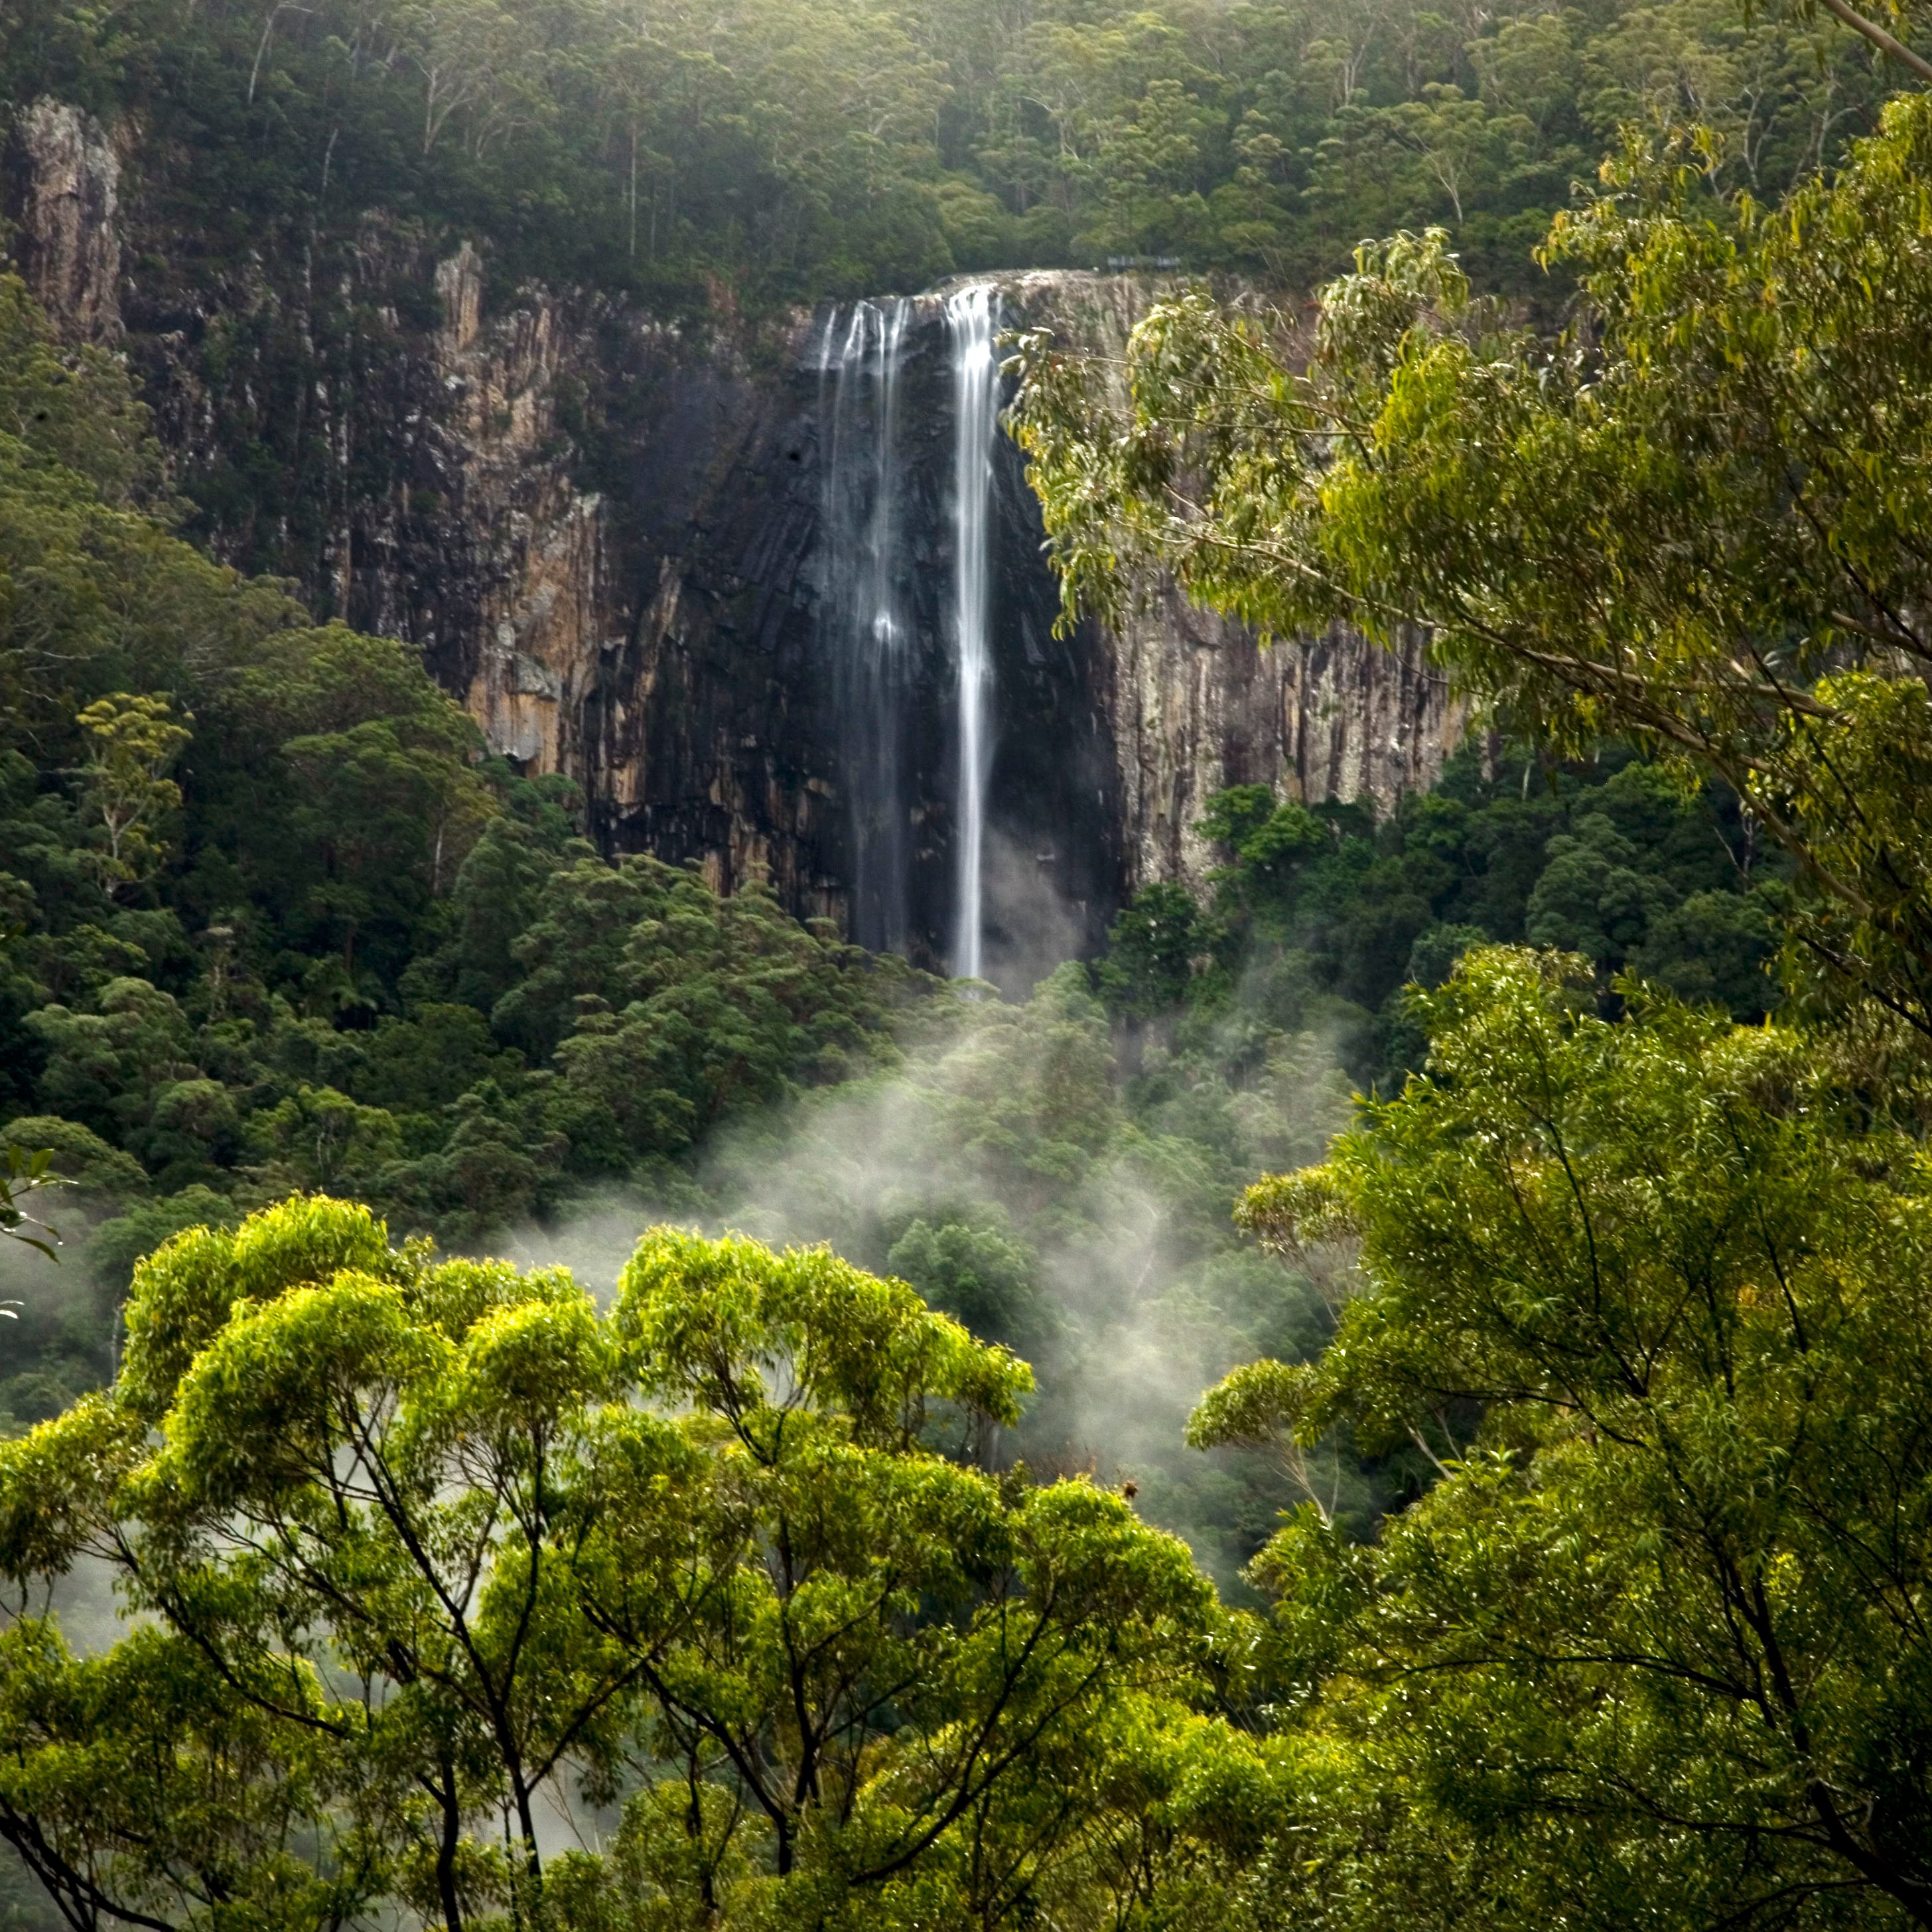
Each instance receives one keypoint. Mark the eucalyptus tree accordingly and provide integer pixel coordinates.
(1697, 517)
(1655, 1293)
(426, 1552)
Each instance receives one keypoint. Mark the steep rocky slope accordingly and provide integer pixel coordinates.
(604, 532)
(1194, 704)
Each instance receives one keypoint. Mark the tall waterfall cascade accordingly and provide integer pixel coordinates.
(972, 317)
(897, 638)
(867, 625)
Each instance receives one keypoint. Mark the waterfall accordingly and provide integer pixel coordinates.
(866, 624)
(883, 619)
(972, 319)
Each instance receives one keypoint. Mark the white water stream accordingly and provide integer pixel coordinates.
(879, 629)
(972, 317)
(871, 635)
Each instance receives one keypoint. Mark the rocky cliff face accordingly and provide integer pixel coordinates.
(1194, 703)
(62, 176)
(607, 536)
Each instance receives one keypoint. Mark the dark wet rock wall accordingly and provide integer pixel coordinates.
(607, 535)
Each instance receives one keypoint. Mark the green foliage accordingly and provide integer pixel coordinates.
(1640, 1293)
(753, 155)
(1598, 1370)
(419, 1544)
(73, 410)
(978, 1274)
(1321, 916)
(1007, 1171)
(1642, 1287)
(1651, 1291)
(184, 952)
(732, 1003)
(1694, 520)
(1150, 950)
(133, 740)
(29, 1172)
(270, 922)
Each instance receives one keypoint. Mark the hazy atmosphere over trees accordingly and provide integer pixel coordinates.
(1397, 1393)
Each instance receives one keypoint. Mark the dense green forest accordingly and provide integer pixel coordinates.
(717, 155)
(275, 923)
(1397, 1395)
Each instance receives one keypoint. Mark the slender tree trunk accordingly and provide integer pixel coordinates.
(446, 1853)
(634, 191)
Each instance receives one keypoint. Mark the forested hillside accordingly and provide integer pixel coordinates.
(276, 924)
(1396, 1395)
(765, 151)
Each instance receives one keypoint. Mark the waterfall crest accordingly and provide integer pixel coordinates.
(866, 626)
(972, 318)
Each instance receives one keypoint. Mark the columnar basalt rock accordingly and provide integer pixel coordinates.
(607, 535)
